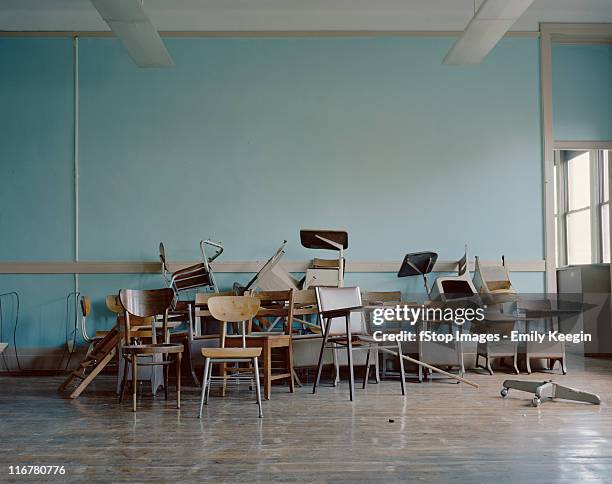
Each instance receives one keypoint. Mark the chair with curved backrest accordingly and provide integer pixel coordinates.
(140, 329)
(231, 309)
(148, 304)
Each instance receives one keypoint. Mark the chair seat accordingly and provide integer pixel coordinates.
(150, 349)
(231, 352)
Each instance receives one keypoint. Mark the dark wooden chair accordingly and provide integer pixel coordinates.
(145, 304)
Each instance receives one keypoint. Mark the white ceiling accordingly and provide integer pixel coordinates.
(438, 15)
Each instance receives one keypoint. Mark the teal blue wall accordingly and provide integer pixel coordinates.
(247, 140)
(36, 181)
(582, 92)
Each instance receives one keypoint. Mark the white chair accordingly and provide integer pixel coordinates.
(493, 282)
(271, 277)
(447, 288)
(343, 324)
(495, 288)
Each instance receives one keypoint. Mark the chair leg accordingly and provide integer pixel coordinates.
(376, 365)
(165, 359)
(178, 379)
(258, 388)
(527, 364)
(367, 369)
(563, 367)
(401, 365)
(488, 363)
(134, 380)
(515, 362)
(124, 380)
(349, 348)
(224, 375)
(210, 370)
(205, 382)
(290, 368)
(336, 365)
(320, 363)
(194, 377)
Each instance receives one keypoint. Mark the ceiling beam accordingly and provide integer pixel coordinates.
(487, 27)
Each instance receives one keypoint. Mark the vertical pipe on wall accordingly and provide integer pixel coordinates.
(548, 158)
(76, 157)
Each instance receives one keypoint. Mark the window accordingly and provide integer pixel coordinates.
(582, 224)
(604, 206)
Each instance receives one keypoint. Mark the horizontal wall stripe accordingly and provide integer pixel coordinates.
(263, 33)
(127, 267)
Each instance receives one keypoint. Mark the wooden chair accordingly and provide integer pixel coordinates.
(94, 362)
(196, 315)
(305, 304)
(231, 309)
(140, 328)
(276, 346)
(100, 353)
(148, 304)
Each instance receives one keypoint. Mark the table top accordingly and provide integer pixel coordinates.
(529, 315)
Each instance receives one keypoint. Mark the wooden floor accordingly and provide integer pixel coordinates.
(441, 432)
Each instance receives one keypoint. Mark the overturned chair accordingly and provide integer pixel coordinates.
(193, 277)
(494, 287)
(548, 390)
(493, 282)
(446, 288)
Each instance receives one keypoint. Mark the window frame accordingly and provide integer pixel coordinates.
(595, 207)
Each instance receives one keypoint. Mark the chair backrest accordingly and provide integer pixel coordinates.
(113, 304)
(202, 298)
(191, 277)
(207, 325)
(462, 264)
(85, 306)
(381, 297)
(330, 298)
(145, 303)
(304, 297)
(489, 278)
(276, 304)
(233, 309)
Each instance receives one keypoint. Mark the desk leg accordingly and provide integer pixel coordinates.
(290, 367)
(349, 348)
(267, 369)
